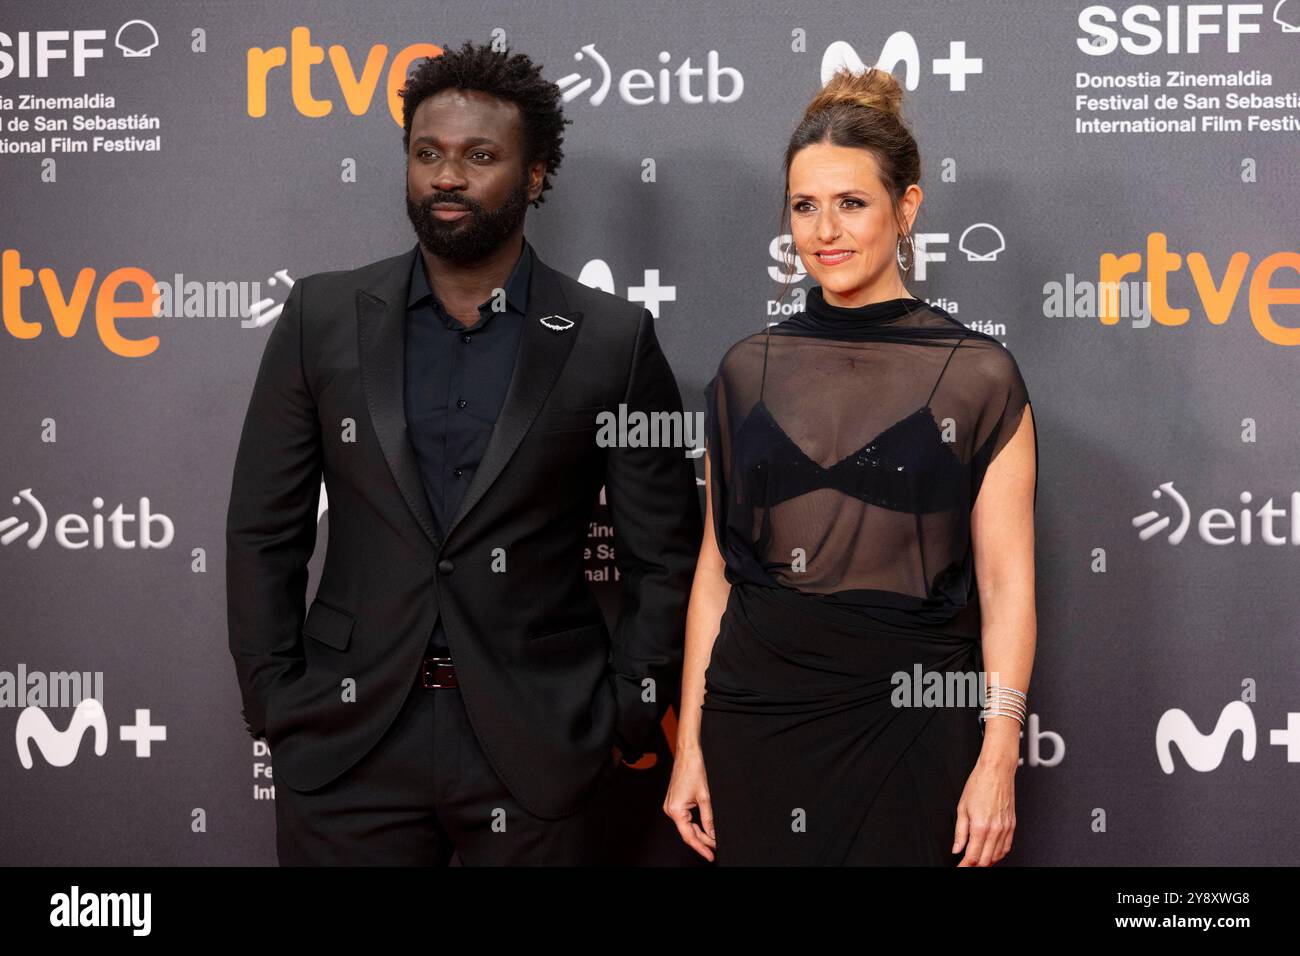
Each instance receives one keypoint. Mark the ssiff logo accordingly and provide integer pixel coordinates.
(1143, 31)
(42, 48)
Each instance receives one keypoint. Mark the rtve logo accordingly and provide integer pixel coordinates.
(1217, 297)
(357, 89)
(67, 309)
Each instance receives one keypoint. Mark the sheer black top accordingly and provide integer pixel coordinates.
(847, 448)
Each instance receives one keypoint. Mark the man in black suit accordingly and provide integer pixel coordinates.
(453, 686)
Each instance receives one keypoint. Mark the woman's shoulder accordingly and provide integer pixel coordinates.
(743, 354)
(990, 359)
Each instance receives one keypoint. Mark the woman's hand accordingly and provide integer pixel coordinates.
(986, 814)
(689, 788)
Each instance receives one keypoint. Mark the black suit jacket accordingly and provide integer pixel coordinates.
(548, 689)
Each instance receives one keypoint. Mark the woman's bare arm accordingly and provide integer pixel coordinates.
(709, 593)
(1002, 535)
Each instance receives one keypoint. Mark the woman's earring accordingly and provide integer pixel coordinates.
(898, 252)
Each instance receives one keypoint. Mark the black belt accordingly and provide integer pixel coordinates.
(437, 672)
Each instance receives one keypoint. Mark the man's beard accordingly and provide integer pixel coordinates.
(473, 236)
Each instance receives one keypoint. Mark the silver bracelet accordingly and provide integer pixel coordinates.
(1005, 702)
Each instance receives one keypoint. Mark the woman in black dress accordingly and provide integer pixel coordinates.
(865, 459)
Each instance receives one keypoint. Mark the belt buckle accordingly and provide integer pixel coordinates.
(429, 672)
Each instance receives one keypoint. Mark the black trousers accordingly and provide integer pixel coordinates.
(426, 792)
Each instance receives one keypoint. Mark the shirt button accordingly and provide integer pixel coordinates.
(458, 472)
(465, 337)
(445, 566)
(461, 403)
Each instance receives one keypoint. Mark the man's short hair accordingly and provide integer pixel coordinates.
(507, 76)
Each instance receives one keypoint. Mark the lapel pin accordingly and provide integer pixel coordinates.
(557, 323)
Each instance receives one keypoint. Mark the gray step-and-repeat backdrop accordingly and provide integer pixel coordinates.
(1065, 145)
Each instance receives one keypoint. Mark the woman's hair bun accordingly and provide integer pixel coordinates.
(872, 88)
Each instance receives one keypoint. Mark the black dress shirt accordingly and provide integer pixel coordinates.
(456, 381)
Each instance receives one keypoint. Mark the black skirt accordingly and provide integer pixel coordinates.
(809, 758)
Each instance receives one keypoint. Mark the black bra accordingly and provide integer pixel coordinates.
(908, 467)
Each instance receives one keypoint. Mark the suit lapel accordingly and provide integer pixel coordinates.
(381, 345)
(542, 354)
